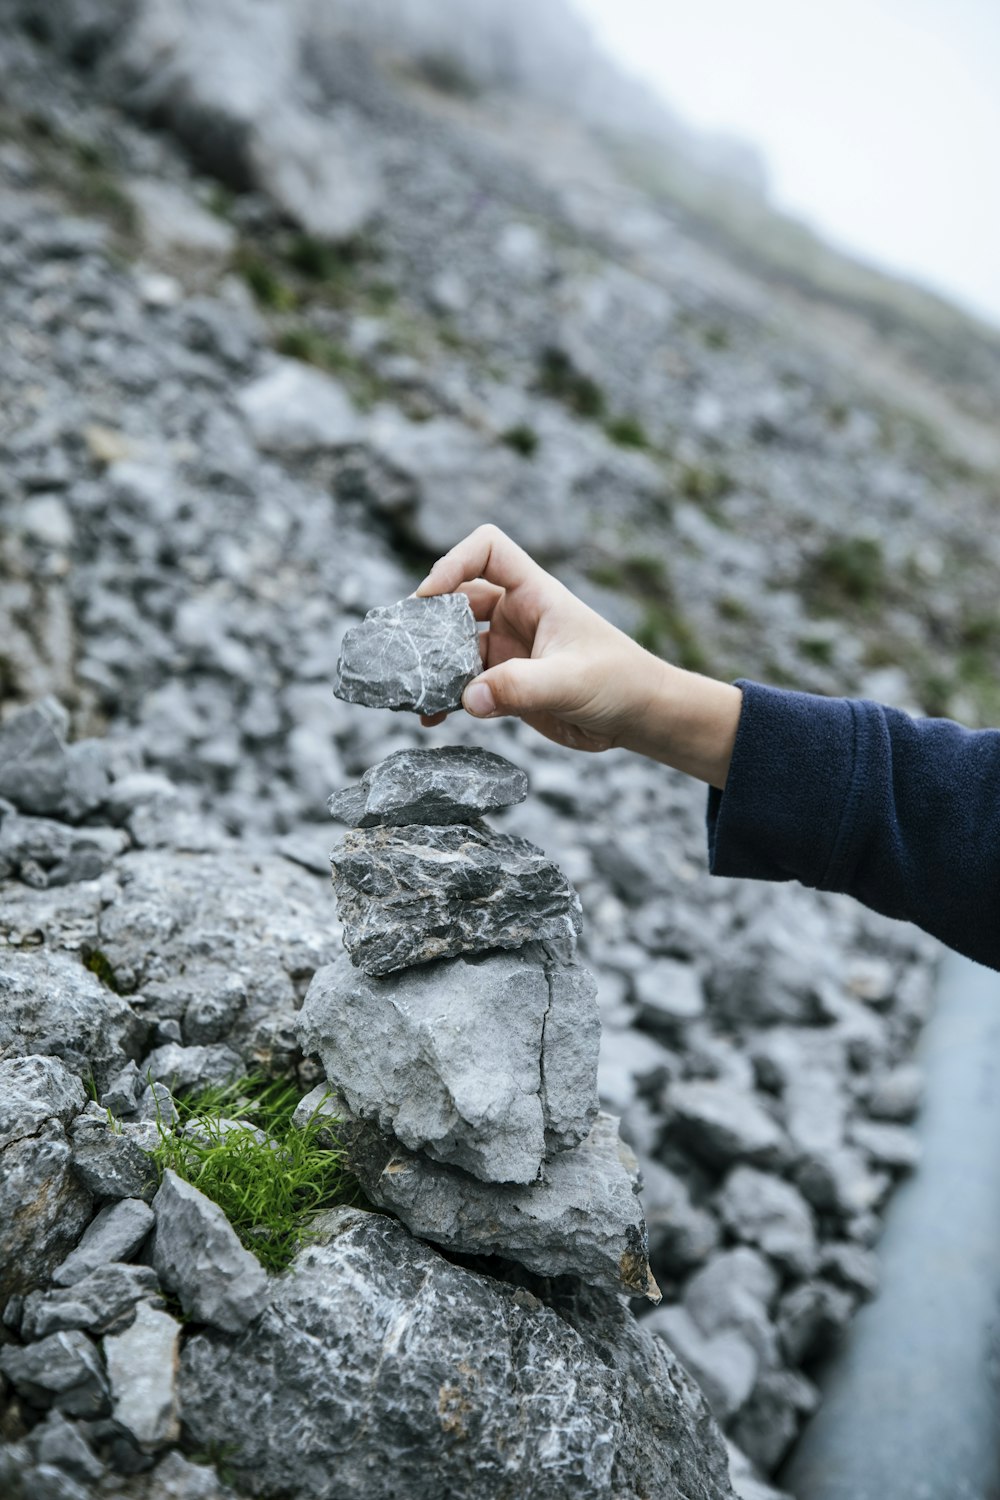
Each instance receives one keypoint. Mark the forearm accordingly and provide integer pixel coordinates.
(681, 719)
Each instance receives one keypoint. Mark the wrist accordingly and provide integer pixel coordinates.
(683, 719)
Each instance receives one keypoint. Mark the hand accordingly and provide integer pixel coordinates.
(572, 676)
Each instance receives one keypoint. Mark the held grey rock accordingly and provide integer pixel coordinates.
(407, 896)
(582, 1219)
(115, 1235)
(470, 1401)
(489, 1064)
(199, 1258)
(142, 1367)
(450, 784)
(416, 655)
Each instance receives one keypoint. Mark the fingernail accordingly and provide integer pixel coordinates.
(478, 700)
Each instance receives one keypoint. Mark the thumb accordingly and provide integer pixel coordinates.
(518, 686)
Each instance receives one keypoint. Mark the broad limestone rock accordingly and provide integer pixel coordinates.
(450, 784)
(416, 655)
(488, 1064)
(406, 896)
(583, 1219)
(380, 1369)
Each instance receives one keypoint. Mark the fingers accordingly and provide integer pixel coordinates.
(483, 597)
(518, 686)
(487, 553)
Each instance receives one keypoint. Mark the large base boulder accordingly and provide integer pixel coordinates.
(380, 1369)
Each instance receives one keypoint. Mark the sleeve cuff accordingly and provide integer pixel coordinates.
(793, 806)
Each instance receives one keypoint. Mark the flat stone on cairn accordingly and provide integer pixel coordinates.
(408, 895)
(452, 784)
(461, 1064)
(417, 655)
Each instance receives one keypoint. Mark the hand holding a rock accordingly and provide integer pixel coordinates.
(571, 675)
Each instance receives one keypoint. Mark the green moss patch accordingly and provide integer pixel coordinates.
(239, 1147)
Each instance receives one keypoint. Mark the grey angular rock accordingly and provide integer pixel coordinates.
(101, 1302)
(681, 1234)
(489, 1065)
(43, 1208)
(123, 1093)
(471, 1401)
(895, 1147)
(450, 784)
(841, 1181)
(896, 1095)
(108, 1162)
(724, 1364)
(199, 1258)
(294, 408)
(63, 1370)
(142, 1364)
(456, 478)
(61, 1444)
(189, 1069)
(735, 1290)
(669, 991)
(811, 1318)
(721, 1124)
(407, 896)
(416, 655)
(767, 1426)
(114, 1235)
(33, 1090)
(178, 1478)
(42, 852)
(40, 773)
(50, 1005)
(768, 1212)
(582, 1218)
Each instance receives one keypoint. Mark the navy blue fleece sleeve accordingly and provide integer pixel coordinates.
(847, 795)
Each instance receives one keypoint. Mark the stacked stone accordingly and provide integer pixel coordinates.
(458, 1030)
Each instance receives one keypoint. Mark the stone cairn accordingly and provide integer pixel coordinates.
(458, 1032)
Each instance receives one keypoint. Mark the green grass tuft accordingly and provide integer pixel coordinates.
(268, 1176)
(99, 964)
(850, 570)
(269, 288)
(559, 377)
(627, 432)
(522, 439)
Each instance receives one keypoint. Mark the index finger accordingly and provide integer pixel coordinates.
(486, 553)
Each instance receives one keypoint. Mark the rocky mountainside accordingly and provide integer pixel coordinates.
(285, 310)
